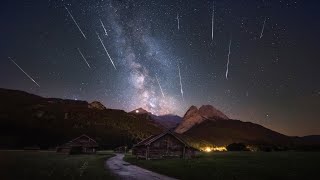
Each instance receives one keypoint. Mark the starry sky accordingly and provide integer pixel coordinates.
(254, 60)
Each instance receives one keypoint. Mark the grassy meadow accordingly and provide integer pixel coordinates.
(238, 166)
(50, 165)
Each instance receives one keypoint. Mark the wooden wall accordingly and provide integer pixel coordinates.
(167, 146)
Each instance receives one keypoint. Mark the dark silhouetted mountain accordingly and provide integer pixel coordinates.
(169, 121)
(222, 132)
(30, 120)
(140, 111)
(210, 126)
(96, 105)
(311, 139)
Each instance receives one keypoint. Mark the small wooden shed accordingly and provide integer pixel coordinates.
(121, 149)
(165, 145)
(80, 145)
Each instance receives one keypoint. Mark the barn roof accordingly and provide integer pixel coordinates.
(153, 138)
(82, 140)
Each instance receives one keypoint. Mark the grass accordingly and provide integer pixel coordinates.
(50, 165)
(238, 165)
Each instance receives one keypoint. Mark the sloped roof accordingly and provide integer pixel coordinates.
(82, 140)
(153, 138)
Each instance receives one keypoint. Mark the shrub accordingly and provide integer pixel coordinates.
(237, 147)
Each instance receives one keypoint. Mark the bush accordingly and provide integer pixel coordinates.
(237, 147)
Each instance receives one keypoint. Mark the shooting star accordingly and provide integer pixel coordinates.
(24, 71)
(212, 21)
(160, 87)
(106, 51)
(178, 21)
(75, 22)
(105, 31)
(264, 23)
(84, 58)
(181, 89)
(227, 71)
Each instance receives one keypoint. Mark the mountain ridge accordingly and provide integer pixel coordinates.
(27, 120)
(168, 121)
(194, 116)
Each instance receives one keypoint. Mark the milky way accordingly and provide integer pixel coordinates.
(141, 57)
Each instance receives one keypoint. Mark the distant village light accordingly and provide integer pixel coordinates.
(137, 111)
(216, 148)
(222, 148)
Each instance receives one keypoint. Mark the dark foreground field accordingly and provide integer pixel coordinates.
(49, 165)
(238, 165)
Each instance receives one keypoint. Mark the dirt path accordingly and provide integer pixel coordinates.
(125, 170)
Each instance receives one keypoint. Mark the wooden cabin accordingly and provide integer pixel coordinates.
(165, 145)
(80, 145)
(121, 149)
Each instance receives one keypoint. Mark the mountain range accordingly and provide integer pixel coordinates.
(31, 120)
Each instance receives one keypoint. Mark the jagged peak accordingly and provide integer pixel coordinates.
(209, 111)
(193, 109)
(195, 116)
(96, 105)
(140, 111)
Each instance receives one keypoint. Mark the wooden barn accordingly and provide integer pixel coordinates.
(80, 145)
(165, 145)
(121, 149)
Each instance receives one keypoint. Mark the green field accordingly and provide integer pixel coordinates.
(50, 165)
(238, 165)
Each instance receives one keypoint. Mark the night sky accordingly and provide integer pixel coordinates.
(273, 72)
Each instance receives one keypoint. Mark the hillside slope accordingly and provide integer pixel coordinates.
(222, 132)
(168, 121)
(30, 120)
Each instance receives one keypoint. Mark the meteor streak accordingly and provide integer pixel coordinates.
(160, 87)
(24, 72)
(84, 58)
(105, 31)
(178, 21)
(212, 21)
(264, 23)
(227, 71)
(75, 22)
(106, 51)
(181, 89)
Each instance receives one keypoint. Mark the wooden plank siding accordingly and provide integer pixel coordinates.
(80, 145)
(165, 145)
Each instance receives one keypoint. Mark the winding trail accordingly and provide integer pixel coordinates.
(125, 170)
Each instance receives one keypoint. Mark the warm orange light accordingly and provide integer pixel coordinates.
(216, 148)
(222, 148)
(208, 149)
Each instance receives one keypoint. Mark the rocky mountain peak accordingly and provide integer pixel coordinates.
(192, 110)
(140, 111)
(96, 105)
(196, 116)
(209, 111)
